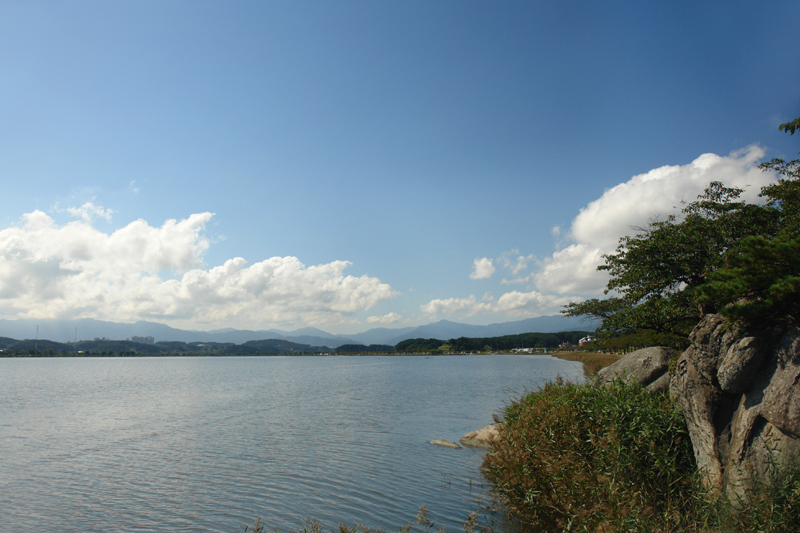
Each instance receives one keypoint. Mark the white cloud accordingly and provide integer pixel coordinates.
(75, 270)
(572, 270)
(511, 304)
(468, 306)
(515, 281)
(570, 273)
(391, 318)
(654, 195)
(88, 212)
(518, 304)
(514, 262)
(483, 268)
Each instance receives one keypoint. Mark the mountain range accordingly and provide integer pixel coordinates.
(88, 329)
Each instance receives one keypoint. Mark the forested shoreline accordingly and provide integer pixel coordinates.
(126, 348)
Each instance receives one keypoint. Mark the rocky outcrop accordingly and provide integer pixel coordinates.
(649, 367)
(481, 438)
(739, 393)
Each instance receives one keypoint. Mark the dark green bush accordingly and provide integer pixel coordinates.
(585, 458)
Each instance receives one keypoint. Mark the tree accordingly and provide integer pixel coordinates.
(655, 274)
(759, 279)
(740, 259)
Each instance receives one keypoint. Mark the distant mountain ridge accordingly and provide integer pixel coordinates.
(88, 329)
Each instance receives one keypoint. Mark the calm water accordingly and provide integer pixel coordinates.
(209, 444)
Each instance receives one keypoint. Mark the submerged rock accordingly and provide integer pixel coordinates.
(481, 438)
(445, 443)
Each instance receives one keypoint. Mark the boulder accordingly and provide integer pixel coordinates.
(481, 438)
(738, 392)
(648, 366)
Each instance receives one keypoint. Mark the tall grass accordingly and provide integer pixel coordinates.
(586, 458)
(423, 523)
(616, 459)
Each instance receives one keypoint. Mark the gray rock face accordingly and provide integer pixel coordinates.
(741, 362)
(739, 393)
(648, 367)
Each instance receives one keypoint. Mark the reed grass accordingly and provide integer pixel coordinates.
(592, 361)
(617, 459)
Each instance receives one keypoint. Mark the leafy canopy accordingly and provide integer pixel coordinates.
(724, 255)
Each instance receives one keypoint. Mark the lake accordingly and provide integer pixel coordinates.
(208, 444)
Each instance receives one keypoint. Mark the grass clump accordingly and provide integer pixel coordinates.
(769, 509)
(586, 458)
(592, 361)
(422, 524)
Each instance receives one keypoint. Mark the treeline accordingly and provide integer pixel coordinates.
(110, 348)
(485, 344)
(360, 348)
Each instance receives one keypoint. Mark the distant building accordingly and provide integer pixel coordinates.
(144, 340)
(587, 339)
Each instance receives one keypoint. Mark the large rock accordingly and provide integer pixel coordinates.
(481, 438)
(738, 391)
(649, 367)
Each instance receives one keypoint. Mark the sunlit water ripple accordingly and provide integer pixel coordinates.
(209, 444)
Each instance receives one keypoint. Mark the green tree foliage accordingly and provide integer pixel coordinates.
(272, 346)
(502, 343)
(361, 348)
(418, 345)
(790, 127)
(758, 279)
(723, 255)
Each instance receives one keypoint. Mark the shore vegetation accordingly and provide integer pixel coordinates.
(617, 458)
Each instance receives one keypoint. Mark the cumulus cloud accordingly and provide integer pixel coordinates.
(468, 306)
(632, 204)
(391, 318)
(511, 304)
(76, 271)
(516, 264)
(482, 268)
(570, 274)
(518, 304)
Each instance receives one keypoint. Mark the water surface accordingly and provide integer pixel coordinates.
(211, 443)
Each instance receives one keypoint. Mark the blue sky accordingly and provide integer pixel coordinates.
(366, 163)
